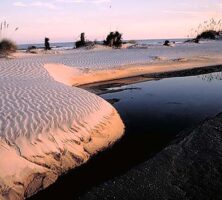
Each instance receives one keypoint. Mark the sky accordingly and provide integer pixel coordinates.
(64, 20)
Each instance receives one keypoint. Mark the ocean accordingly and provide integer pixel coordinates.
(71, 45)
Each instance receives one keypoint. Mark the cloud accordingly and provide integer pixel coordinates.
(19, 4)
(53, 4)
(101, 1)
(70, 1)
(209, 13)
(84, 1)
(35, 4)
(43, 4)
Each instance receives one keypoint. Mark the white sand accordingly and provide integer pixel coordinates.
(84, 67)
(47, 127)
(101, 64)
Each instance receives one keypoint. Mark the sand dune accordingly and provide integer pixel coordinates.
(46, 127)
(112, 58)
(88, 66)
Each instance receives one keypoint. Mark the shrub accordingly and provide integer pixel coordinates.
(114, 39)
(7, 46)
(31, 48)
(47, 44)
(82, 41)
(166, 43)
(210, 34)
(80, 44)
(210, 29)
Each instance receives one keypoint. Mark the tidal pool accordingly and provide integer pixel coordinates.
(154, 113)
(167, 106)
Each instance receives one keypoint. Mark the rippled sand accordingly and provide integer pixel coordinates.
(46, 127)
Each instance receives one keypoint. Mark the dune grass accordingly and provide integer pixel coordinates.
(7, 46)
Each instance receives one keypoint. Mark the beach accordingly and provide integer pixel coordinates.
(82, 66)
(49, 125)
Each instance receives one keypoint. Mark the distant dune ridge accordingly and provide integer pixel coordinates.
(47, 127)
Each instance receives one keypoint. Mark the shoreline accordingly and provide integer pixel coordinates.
(101, 87)
(189, 167)
(82, 77)
(84, 191)
(81, 67)
(68, 125)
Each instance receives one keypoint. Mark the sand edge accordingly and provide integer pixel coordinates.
(31, 162)
(77, 77)
(36, 164)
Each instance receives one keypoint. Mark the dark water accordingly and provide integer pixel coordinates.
(58, 45)
(154, 112)
(169, 105)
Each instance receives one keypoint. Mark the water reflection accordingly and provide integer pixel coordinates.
(169, 105)
(154, 112)
(211, 77)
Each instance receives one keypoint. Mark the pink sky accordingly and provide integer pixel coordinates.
(64, 20)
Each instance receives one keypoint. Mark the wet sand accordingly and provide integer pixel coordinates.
(189, 168)
(102, 87)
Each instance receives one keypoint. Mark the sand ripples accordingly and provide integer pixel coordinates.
(46, 127)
